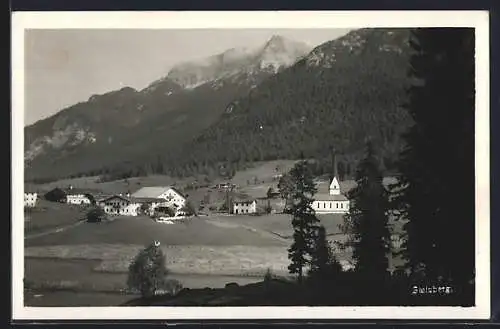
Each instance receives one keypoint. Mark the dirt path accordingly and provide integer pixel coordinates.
(53, 231)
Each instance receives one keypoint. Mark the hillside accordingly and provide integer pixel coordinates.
(125, 127)
(344, 91)
(215, 116)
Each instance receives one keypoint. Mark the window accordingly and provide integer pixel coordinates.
(337, 205)
(330, 205)
(341, 205)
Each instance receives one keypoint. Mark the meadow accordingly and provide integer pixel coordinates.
(51, 215)
(204, 251)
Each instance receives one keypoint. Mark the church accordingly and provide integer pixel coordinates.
(333, 202)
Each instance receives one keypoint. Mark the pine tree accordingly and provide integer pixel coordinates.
(304, 220)
(324, 266)
(367, 221)
(285, 187)
(436, 190)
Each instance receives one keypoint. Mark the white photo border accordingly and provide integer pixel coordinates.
(254, 19)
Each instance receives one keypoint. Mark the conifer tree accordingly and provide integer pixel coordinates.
(324, 265)
(367, 221)
(436, 189)
(304, 220)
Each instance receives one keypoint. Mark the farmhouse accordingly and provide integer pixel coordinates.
(172, 196)
(78, 196)
(333, 202)
(119, 205)
(244, 206)
(30, 199)
(150, 205)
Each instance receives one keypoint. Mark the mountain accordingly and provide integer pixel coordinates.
(276, 53)
(343, 92)
(128, 126)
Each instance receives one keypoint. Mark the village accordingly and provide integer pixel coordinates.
(85, 233)
(167, 203)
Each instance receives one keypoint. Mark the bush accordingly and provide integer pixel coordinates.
(96, 215)
(147, 272)
(188, 209)
(170, 287)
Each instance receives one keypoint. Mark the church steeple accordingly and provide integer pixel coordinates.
(334, 186)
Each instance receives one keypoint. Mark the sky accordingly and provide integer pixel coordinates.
(67, 66)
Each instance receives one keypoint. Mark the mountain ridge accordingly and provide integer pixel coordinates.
(107, 126)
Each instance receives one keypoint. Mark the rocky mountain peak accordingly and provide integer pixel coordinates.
(276, 52)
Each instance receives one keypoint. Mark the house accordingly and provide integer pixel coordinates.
(30, 199)
(80, 196)
(77, 196)
(149, 205)
(172, 196)
(244, 206)
(120, 205)
(333, 202)
(56, 195)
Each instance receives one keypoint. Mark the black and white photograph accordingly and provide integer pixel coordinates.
(176, 165)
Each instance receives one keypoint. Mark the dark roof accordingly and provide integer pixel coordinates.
(76, 190)
(135, 199)
(115, 196)
(329, 197)
(243, 200)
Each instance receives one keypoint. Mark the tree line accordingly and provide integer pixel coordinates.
(434, 194)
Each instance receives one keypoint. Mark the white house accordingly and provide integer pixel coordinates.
(150, 204)
(78, 199)
(77, 196)
(30, 199)
(119, 205)
(244, 207)
(171, 195)
(333, 202)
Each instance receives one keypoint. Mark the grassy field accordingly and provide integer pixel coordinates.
(194, 259)
(48, 215)
(69, 282)
(200, 252)
(143, 230)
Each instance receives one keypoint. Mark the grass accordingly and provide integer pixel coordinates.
(194, 259)
(142, 230)
(48, 215)
(279, 224)
(73, 299)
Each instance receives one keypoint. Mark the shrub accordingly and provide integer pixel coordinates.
(188, 209)
(170, 287)
(96, 215)
(147, 272)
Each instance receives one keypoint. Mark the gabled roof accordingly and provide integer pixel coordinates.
(335, 183)
(153, 191)
(115, 197)
(243, 200)
(329, 197)
(76, 190)
(140, 200)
